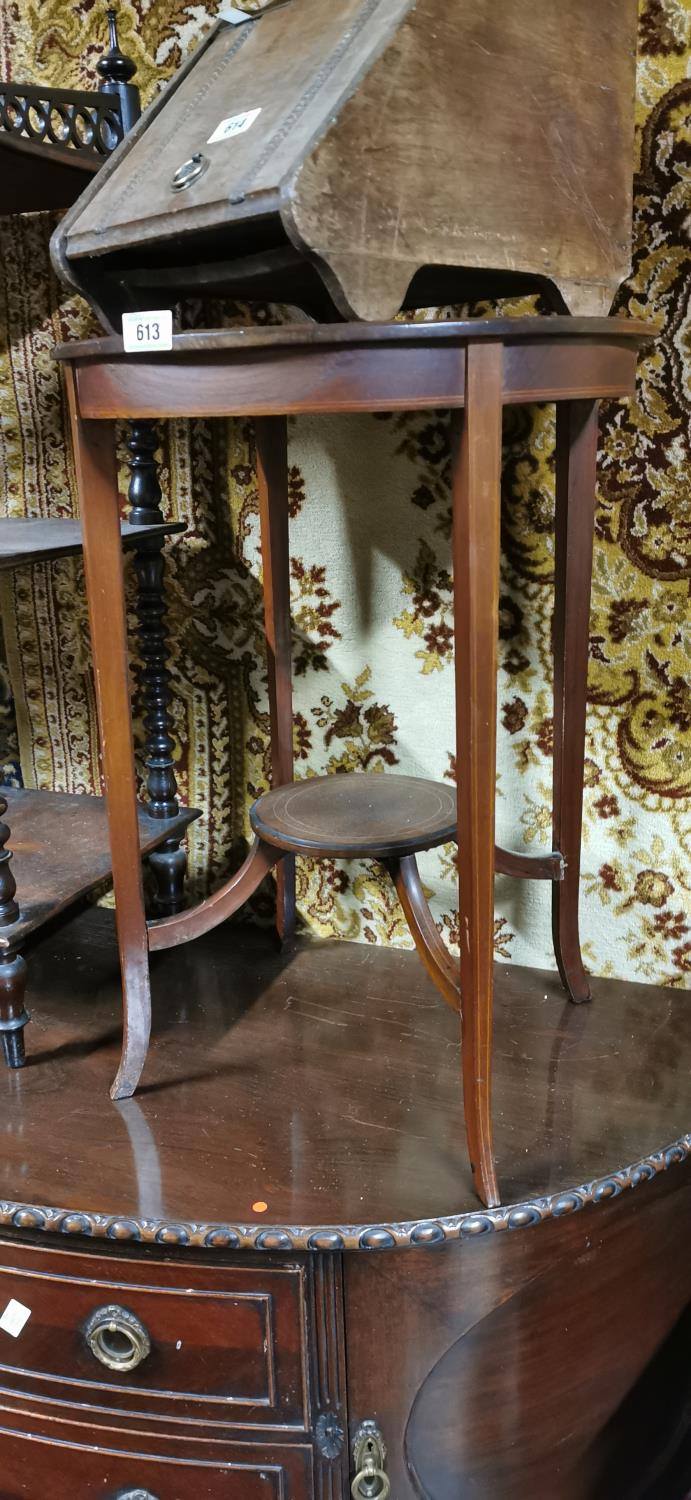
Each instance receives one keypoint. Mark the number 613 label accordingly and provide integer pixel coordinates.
(142, 332)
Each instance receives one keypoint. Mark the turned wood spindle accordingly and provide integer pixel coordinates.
(169, 862)
(13, 1017)
(116, 72)
(9, 910)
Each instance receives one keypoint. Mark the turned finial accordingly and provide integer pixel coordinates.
(114, 67)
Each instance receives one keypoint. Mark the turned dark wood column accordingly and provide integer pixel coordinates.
(576, 493)
(169, 862)
(13, 1016)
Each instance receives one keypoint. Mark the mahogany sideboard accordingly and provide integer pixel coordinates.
(277, 1241)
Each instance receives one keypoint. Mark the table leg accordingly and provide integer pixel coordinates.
(476, 560)
(13, 1013)
(271, 436)
(13, 1016)
(577, 435)
(94, 448)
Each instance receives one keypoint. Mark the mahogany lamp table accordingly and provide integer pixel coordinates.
(475, 368)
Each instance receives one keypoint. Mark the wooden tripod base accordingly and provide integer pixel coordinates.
(389, 818)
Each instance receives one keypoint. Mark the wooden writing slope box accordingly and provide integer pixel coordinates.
(359, 156)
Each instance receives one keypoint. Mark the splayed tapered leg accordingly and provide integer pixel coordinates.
(476, 538)
(94, 447)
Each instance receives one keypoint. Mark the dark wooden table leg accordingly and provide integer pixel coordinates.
(13, 1016)
(168, 863)
(271, 436)
(476, 560)
(577, 434)
(94, 449)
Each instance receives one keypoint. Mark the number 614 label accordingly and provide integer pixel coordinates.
(142, 332)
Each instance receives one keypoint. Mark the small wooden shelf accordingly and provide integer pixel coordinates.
(34, 540)
(37, 178)
(61, 852)
(357, 815)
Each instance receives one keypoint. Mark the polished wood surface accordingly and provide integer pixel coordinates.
(323, 1114)
(30, 540)
(364, 815)
(61, 851)
(520, 1366)
(352, 335)
(260, 382)
(324, 1082)
(245, 1472)
(242, 1343)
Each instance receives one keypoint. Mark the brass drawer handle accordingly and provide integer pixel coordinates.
(136, 1495)
(371, 1484)
(119, 1341)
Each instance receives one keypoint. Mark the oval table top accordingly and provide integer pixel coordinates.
(311, 1099)
(307, 333)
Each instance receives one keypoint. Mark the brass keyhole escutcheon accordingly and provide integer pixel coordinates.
(369, 1457)
(117, 1338)
(190, 171)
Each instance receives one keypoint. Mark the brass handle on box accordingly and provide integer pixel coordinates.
(117, 1340)
(190, 171)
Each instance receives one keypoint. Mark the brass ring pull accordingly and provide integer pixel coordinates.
(119, 1341)
(369, 1454)
(370, 1484)
(190, 171)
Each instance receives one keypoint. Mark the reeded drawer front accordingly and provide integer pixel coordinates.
(178, 1344)
(34, 1468)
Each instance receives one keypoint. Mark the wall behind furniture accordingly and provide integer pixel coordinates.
(370, 563)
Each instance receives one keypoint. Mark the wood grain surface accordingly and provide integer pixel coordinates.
(385, 138)
(28, 540)
(60, 849)
(368, 816)
(326, 1079)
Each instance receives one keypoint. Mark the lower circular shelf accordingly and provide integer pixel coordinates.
(357, 815)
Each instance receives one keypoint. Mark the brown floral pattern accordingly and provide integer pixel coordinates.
(371, 570)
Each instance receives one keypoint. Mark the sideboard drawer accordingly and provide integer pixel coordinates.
(34, 1467)
(217, 1345)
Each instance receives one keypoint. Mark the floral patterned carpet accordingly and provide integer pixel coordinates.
(373, 639)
